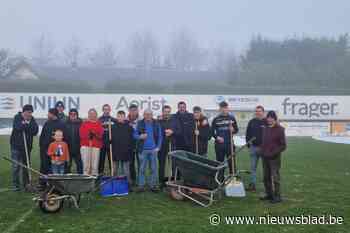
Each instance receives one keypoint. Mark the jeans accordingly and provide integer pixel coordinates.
(254, 160)
(148, 156)
(222, 152)
(57, 169)
(19, 156)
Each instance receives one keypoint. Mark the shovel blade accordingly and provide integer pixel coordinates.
(235, 189)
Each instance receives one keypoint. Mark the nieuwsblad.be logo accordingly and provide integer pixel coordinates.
(7, 103)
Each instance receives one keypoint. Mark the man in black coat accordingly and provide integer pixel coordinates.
(60, 108)
(105, 120)
(165, 121)
(73, 140)
(183, 124)
(23, 131)
(201, 132)
(122, 142)
(50, 126)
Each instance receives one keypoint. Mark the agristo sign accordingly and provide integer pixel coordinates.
(302, 108)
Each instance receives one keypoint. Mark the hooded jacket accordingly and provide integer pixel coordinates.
(19, 126)
(273, 141)
(203, 137)
(49, 128)
(122, 141)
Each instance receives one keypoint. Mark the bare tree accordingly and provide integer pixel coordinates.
(143, 50)
(5, 63)
(104, 56)
(222, 59)
(184, 52)
(43, 50)
(73, 52)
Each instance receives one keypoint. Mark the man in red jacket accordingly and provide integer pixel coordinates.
(273, 144)
(91, 133)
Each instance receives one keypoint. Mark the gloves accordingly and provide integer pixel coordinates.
(91, 135)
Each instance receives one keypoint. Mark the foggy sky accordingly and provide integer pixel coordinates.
(231, 22)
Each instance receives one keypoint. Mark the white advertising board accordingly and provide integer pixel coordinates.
(303, 108)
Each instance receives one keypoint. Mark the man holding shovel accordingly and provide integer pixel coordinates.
(223, 127)
(166, 123)
(202, 132)
(21, 141)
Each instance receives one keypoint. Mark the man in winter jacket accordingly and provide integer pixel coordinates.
(105, 120)
(73, 140)
(60, 108)
(50, 126)
(273, 144)
(148, 134)
(201, 132)
(166, 123)
(122, 140)
(183, 128)
(23, 130)
(223, 126)
(254, 130)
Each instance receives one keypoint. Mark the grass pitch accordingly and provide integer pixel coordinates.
(315, 181)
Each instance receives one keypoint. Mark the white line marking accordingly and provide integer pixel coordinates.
(14, 226)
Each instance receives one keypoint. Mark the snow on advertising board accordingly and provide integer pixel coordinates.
(303, 108)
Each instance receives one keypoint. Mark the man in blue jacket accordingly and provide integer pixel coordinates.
(24, 129)
(149, 140)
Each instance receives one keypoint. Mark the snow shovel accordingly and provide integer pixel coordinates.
(235, 188)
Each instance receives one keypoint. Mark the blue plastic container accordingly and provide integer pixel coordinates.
(114, 186)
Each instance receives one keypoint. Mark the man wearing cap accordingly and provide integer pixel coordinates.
(50, 126)
(223, 127)
(60, 108)
(273, 144)
(23, 130)
(73, 140)
(201, 132)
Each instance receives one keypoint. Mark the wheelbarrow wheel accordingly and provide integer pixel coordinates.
(174, 194)
(50, 205)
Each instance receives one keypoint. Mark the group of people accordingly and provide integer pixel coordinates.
(132, 143)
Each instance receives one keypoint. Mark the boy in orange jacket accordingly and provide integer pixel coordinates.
(59, 153)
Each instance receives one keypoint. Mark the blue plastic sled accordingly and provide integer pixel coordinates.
(114, 186)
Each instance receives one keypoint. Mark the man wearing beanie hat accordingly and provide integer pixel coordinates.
(24, 124)
(273, 144)
(73, 139)
(50, 126)
(60, 108)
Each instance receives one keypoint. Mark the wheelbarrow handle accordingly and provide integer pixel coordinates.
(22, 165)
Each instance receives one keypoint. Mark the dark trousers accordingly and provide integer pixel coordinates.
(271, 173)
(78, 163)
(134, 159)
(162, 157)
(19, 172)
(103, 154)
(45, 164)
(223, 152)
